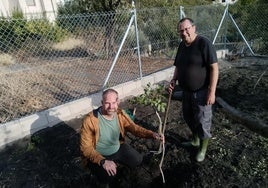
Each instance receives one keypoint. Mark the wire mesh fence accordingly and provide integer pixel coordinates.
(44, 64)
(249, 25)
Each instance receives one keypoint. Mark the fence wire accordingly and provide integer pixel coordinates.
(251, 21)
(44, 64)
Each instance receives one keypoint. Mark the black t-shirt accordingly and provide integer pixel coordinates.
(193, 63)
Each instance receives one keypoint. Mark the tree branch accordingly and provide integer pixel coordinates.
(260, 78)
(254, 125)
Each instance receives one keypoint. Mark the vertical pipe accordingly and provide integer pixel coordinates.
(137, 41)
(43, 8)
(53, 8)
(182, 14)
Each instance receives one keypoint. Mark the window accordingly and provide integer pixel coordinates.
(30, 2)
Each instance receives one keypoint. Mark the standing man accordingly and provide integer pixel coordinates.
(102, 138)
(196, 69)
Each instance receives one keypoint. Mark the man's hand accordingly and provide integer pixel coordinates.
(159, 137)
(211, 97)
(110, 167)
(171, 85)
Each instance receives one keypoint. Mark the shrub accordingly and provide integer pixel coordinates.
(16, 30)
(44, 29)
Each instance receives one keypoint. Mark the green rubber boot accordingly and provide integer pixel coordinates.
(195, 142)
(202, 151)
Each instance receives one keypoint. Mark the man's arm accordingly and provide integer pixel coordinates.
(137, 130)
(87, 138)
(214, 75)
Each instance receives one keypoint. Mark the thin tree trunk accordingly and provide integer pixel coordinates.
(254, 125)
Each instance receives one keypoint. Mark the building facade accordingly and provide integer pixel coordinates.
(30, 8)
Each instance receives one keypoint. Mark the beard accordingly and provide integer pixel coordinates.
(186, 38)
(111, 111)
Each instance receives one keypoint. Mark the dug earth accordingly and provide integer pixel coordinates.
(236, 157)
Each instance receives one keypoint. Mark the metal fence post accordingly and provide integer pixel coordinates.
(219, 27)
(236, 26)
(119, 50)
(137, 41)
(182, 14)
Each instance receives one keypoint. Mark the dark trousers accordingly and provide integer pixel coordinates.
(196, 113)
(126, 155)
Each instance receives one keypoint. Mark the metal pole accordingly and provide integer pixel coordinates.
(241, 34)
(119, 50)
(137, 41)
(182, 14)
(219, 27)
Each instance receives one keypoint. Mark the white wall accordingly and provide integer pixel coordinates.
(47, 6)
(6, 7)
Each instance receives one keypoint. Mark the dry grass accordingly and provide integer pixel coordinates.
(6, 59)
(43, 75)
(68, 44)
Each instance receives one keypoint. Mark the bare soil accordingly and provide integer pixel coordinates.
(236, 156)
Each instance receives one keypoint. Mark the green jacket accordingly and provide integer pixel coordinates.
(89, 134)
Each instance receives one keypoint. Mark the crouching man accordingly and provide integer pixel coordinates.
(102, 138)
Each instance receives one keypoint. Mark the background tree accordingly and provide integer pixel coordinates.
(79, 7)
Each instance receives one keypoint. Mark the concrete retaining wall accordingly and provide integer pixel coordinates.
(14, 130)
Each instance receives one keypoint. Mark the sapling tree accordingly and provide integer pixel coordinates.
(154, 97)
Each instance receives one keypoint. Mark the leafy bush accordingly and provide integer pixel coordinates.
(12, 31)
(16, 30)
(44, 29)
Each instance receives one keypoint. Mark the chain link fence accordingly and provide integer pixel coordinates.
(240, 25)
(44, 64)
